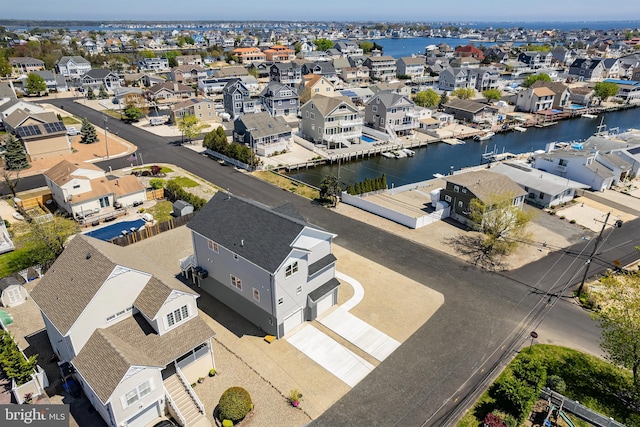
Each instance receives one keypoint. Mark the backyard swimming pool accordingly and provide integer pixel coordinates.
(366, 138)
(115, 230)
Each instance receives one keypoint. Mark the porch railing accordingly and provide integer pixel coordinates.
(181, 420)
(192, 393)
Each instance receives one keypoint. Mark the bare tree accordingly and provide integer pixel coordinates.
(11, 180)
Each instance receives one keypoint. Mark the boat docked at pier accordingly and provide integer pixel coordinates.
(484, 137)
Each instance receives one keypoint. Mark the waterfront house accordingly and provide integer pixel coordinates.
(73, 67)
(98, 77)
(280, 100)
(331, 121)
(84, 190)
(486, 78)
(381, 67)
(628, 91)
(42, 134)
(587, 69)
(391, 113)
(543, 189)
(466, 110)
(486, 186)
(561, 92)
(130, 331)
(535, 99)
(265, 134)
(581, 95)
(348, 48)
(268, 265)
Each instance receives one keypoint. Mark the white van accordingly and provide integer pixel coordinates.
(157, 121)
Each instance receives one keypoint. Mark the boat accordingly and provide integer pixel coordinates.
(589, 116)
(400, 154)
(484, 137)
(408, 152)
(519, 128)
(388, 155)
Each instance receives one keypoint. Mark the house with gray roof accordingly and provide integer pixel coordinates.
(280, 99)
(413, 66)
(390, 112)
(543, 189)
(265, 134)
(130, 330)
(267, 264)
(334, 121)
(99, 77)
(73, 67)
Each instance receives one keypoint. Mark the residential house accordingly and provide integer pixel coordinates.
(412, 66)
(237, 71)
(280, 99)
(355, 76)
(466, 110)
(237, 99)
(12, 105)
(7, 93)
(169, 92)
(268, 265)
(612, 67)
(469, 50)
(120, 94)
(83, 190)
(189, 60)
(391, 113)
(332, 121)
(323, 68)
(456, 78)
(288, 73)
(563, 55)
(318, 85)
(348, 48)
(188, 74)
(358, 95)
(154, 65)
(130, 331)
(543, 189)
(586, 69)
(42, 134)
(464, 62)
(98, 77)
(381, 67)
(562, 94)
(628, 90)
(23, 65)
(202, 108)
(249, 55)
(55, 83)
(484, 185)
(73, 67)
(582, 95)
(535, 99)
(279, 53)
(398, 87)
(486, 78)
(536, 59)
(265, 134)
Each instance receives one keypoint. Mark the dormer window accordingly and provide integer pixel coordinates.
(291, 269)
(178, 315)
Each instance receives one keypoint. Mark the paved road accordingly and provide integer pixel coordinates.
(484, 317)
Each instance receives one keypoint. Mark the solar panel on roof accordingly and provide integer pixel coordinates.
(29, 130)
(349, 93)
(634, 151)
(54, 127)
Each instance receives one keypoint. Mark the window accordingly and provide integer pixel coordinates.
(236, 283)
(447, 198)
(464, 190)
(563, 162)
(456, 188)
(104, 202)
(291, 269)
(374, 109)
(317, 90)
(256, 295)
(460, 204)
(137, 393)
(213, 246)
(299, 290)
(177, 315)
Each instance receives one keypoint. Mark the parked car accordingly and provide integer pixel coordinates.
(72, 131)
(156, 121)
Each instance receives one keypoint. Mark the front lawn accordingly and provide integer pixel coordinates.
(184, 182)
(589, 380)
(67, 120)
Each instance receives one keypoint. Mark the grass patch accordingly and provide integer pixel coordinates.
(590, 380)
(11, 262)
(161, 211)
(163, 169)
(184, 182)
(112, 113)
(67, 120)
(288, 184)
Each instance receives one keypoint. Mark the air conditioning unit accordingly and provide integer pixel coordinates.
(70, 197)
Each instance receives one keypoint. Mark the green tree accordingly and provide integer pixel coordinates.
(323, 44)
(132, 114)
(529, 80)
(366, 46)
(35, 84)
(492, 94)
(5, 67)
(91, 95)
(88, 134)
(427, 98)
(604, 90)
(190, 126)
(15, 155)
(102, 94)
(135, 106)
(330, 189)
(146, 53)
(12, 361)
(444, 98)
(44, 240)
(464, 93)
(619, 319)
(171, 57)
(297, 46)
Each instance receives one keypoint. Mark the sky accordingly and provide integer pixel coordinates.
(323, 10)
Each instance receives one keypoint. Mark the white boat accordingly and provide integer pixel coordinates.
(400, 154)
(388, 155)
(519, 128)
(589, 116)
(408, 152)
(484, 137)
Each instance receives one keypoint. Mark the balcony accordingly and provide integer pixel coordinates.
(349, 123)
(405, 125)
(339, 137)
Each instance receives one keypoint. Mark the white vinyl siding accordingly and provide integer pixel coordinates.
(177, 316)
(137, 393)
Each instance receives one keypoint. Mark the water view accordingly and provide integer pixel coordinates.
(440, 157)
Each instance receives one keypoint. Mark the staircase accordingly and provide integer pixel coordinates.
(184, 403)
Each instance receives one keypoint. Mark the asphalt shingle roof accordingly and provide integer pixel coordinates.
(484, 184)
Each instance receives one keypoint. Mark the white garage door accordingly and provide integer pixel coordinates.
(145, 417)
(292, 321)
(325, 303)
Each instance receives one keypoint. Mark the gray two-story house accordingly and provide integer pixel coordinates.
(288, 73)
(381, 67)
(268, 265)
(334, 121)
(280, 99)
(237, 99)
(390, 112)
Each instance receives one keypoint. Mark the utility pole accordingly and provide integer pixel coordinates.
(595, 248)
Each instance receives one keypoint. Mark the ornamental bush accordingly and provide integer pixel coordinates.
(235, 404)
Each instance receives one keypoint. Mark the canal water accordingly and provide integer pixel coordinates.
(440, 157)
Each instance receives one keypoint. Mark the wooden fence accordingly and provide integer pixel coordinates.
(152, 230)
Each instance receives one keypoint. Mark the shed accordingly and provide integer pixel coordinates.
(180, 208)
(12, 292)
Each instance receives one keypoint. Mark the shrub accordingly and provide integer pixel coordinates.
(145, 173)
(573, 221)
(212, 372)
(155, 170)
(492, 420)
(235, 404)
(556, 383)
(156, 183)
(227, 423)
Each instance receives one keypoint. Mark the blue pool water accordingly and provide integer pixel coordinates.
(366, 138)
(577, 107)
(115, 230)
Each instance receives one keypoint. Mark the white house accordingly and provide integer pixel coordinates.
(73, 67)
